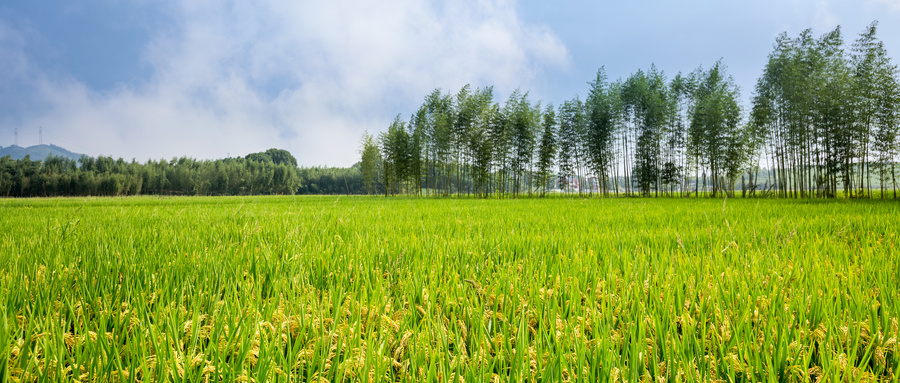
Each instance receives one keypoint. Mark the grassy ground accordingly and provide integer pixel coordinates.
(412, 289)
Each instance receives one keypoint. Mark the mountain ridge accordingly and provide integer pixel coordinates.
(38, 152)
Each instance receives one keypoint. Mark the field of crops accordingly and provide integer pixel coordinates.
(414, 289)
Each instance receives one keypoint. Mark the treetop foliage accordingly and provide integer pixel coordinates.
(276, 156)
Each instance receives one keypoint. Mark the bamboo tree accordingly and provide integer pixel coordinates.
(501, 138)
(547, 148)
(876, 93)
(370, 161)
(645, 96)
(603, 119)
(420, 125)
(715, 127)
(865, 66)
(569, 119)
(465, 112)
(521, 116)
(887, 120)
(395, 155)
(681, 91)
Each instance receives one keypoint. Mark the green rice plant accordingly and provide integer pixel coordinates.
(415, 289)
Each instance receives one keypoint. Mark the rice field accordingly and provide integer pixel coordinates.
(333, 289)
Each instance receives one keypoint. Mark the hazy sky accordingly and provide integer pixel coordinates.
(162, 78)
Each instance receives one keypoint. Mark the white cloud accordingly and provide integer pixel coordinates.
(306, 76)
(892, 5)
(824, 18)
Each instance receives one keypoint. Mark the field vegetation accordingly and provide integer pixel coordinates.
(416, 289)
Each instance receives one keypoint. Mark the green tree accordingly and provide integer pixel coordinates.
(715, 125)
(569, 120)
(547, 148)
(369, 163)
(603, 113)
(282, 157)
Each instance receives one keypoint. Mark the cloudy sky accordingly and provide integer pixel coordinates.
(210, 78)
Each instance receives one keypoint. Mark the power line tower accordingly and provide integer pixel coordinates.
(41, 136)
(16, 137)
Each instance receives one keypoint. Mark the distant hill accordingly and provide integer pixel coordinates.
(37, 152)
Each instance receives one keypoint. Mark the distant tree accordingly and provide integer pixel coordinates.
(602, 123)
(501, 143)
(371, 157)
(7, 166)
(569, 118)
(715, 127)
(276, 156)
(479, 145)
(524, 122)
(395, 156)
(282, 157)
(876, 94)
(259, 157)
(547, 148)
(681, 90)
(415, 149)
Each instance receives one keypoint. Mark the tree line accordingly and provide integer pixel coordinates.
(823, 121)
(271, 172)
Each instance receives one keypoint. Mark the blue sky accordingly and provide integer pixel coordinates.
(209, 78)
